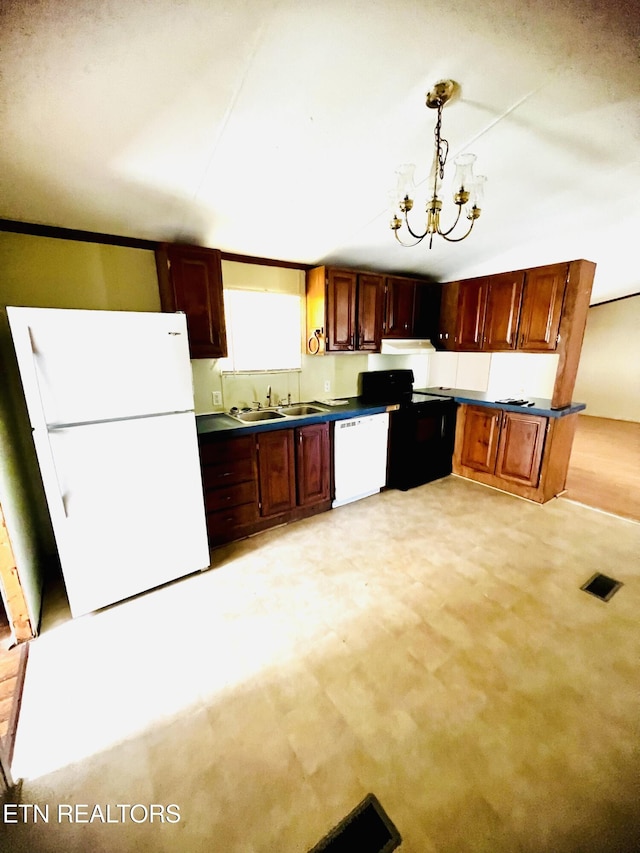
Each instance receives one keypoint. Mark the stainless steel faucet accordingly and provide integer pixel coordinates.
(268, 396)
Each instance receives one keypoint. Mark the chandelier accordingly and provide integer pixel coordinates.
(467, 187)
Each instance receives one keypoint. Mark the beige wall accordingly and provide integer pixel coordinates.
(51, 273)
(608, 378)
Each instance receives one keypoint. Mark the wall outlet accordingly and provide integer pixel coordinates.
(216, 398)
(327, 386)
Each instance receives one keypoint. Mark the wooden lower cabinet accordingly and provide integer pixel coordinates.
(520, 448)
(480, 439)
(255, 481)
(294, 468)
(276, 467)
(230, 482)
(313, 464)
(522, 453)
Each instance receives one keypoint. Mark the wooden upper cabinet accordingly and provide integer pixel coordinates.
(312, 463)
(370, 306)
(341, 310)
(351, 310)
(472, 306)
(488, 312)
(504, 298)
(400, 305)
(347, 305)
(519, 310)
(446, 337)
(190, 280)
(542, 308)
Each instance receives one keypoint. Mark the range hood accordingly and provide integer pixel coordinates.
(406, 346)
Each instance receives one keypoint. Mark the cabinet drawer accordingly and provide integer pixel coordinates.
(227, 473)
(231, 496)
(223, 526)
(217, 452)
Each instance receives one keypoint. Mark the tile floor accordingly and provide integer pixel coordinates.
(432, 647)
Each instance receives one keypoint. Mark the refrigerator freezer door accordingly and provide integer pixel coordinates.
(81, 366)
(126, 505)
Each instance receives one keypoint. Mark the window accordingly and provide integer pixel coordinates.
(263, 331)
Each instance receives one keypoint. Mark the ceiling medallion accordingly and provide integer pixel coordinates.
(467, 187)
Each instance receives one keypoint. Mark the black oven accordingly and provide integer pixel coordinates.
(421, 429)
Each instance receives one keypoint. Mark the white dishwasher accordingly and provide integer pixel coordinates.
(360, 457)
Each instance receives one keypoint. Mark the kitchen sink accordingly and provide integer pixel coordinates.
(303, 410)
(260, 415)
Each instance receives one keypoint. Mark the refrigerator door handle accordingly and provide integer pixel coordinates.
(34, 351)
(54, 469)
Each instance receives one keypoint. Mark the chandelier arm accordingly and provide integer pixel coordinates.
(407, 245)
(457, 219)
(458, 239)
(418, 237)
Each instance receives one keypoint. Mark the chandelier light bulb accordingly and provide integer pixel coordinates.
(405, 182)
(463, 179)
(476, 199)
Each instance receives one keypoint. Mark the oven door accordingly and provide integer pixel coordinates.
(421, 443)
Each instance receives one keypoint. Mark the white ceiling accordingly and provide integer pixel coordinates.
(274, 127)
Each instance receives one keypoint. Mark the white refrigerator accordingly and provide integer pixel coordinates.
(110, 400)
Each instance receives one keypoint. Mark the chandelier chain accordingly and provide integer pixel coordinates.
(442, 145)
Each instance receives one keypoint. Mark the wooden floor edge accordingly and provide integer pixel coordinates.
(12, 726)
(631, 518)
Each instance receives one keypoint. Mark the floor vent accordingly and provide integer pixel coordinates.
(601, 586)
(367, 829)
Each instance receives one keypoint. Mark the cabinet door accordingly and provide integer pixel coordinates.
(399, 307)
(541, 308)
(472, 304)
(448, 316)
(312, 463)
(427, 310)
(276, 467)
(341, 310)
(521, 445)
(190, 280)
(504, 298)
(370, 304)
(480, 441)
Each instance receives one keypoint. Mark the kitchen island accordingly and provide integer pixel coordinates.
(532, 405)
(518, 446)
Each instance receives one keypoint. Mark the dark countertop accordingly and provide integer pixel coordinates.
(540, 406)
(220, 422)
